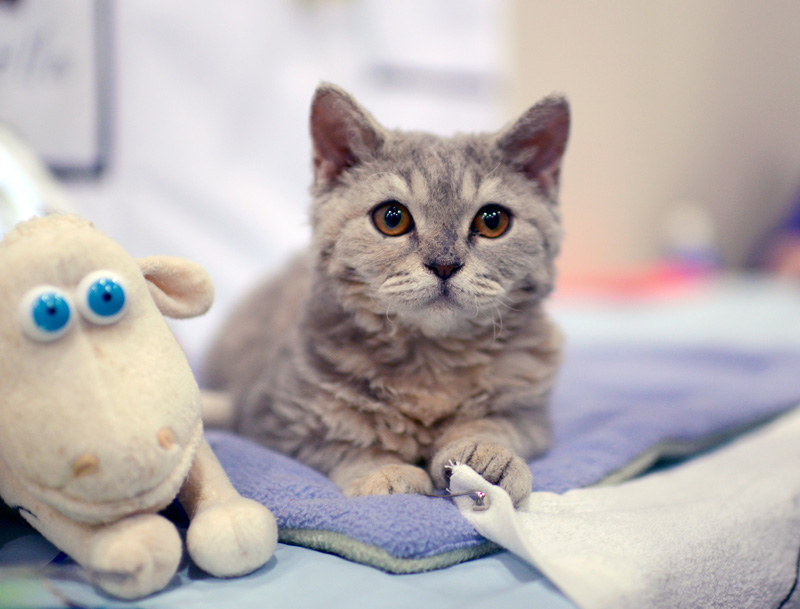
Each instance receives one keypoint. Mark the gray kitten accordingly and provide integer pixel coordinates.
(412, 334)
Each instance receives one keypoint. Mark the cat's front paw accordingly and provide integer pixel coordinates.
(495, 462)
(396, 478)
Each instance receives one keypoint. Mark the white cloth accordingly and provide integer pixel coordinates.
(722, 530)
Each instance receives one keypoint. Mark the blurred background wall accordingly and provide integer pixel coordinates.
(686, 115)
(675, 104)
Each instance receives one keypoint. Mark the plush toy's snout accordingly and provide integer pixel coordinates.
(88, 464)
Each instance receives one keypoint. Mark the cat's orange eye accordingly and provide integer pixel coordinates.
(392, 218)
(491, 221)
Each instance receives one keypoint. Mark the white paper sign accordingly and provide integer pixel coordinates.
(53, 84)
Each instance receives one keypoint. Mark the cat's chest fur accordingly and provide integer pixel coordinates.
(431, 381)
(403, 391)
(402, 388)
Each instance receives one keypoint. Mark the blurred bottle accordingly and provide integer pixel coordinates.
(27, 188)
(689, 239)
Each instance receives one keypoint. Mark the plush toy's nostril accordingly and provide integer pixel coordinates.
(85, 465)
(166, 438)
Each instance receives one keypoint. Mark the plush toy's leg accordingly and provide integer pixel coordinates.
(228, 535)
(130, 558)
(135, 556)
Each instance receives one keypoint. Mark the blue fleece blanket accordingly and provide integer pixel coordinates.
(615, 412)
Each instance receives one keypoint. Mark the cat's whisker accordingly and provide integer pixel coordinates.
(497, 332)
(378, 174)
(376, 306)
(393, 327)
(477, 307)
(492, 171)
(508, 305)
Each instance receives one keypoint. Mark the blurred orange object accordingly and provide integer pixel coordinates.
(662, 279)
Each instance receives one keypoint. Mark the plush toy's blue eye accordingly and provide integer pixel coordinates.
(106, 297)
(51, 312)
(102, 297)
(45, 313)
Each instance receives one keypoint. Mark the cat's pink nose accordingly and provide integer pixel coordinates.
(444, 271)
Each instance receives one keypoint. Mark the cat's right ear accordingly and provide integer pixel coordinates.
(535, 143)
(342, 132)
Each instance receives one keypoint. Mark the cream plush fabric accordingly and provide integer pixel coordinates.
(100, 413)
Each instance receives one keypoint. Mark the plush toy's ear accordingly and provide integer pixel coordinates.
(536, 142)
(342, 132)
(180, 288)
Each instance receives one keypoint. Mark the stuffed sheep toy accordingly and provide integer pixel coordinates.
(100, 422)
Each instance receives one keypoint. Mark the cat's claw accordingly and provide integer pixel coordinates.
(495, 462)
(450, 465)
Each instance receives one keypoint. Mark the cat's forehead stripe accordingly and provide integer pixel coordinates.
(419, 185)
(469, 187)
(392, 185)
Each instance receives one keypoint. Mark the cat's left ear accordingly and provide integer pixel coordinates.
(535, 143)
